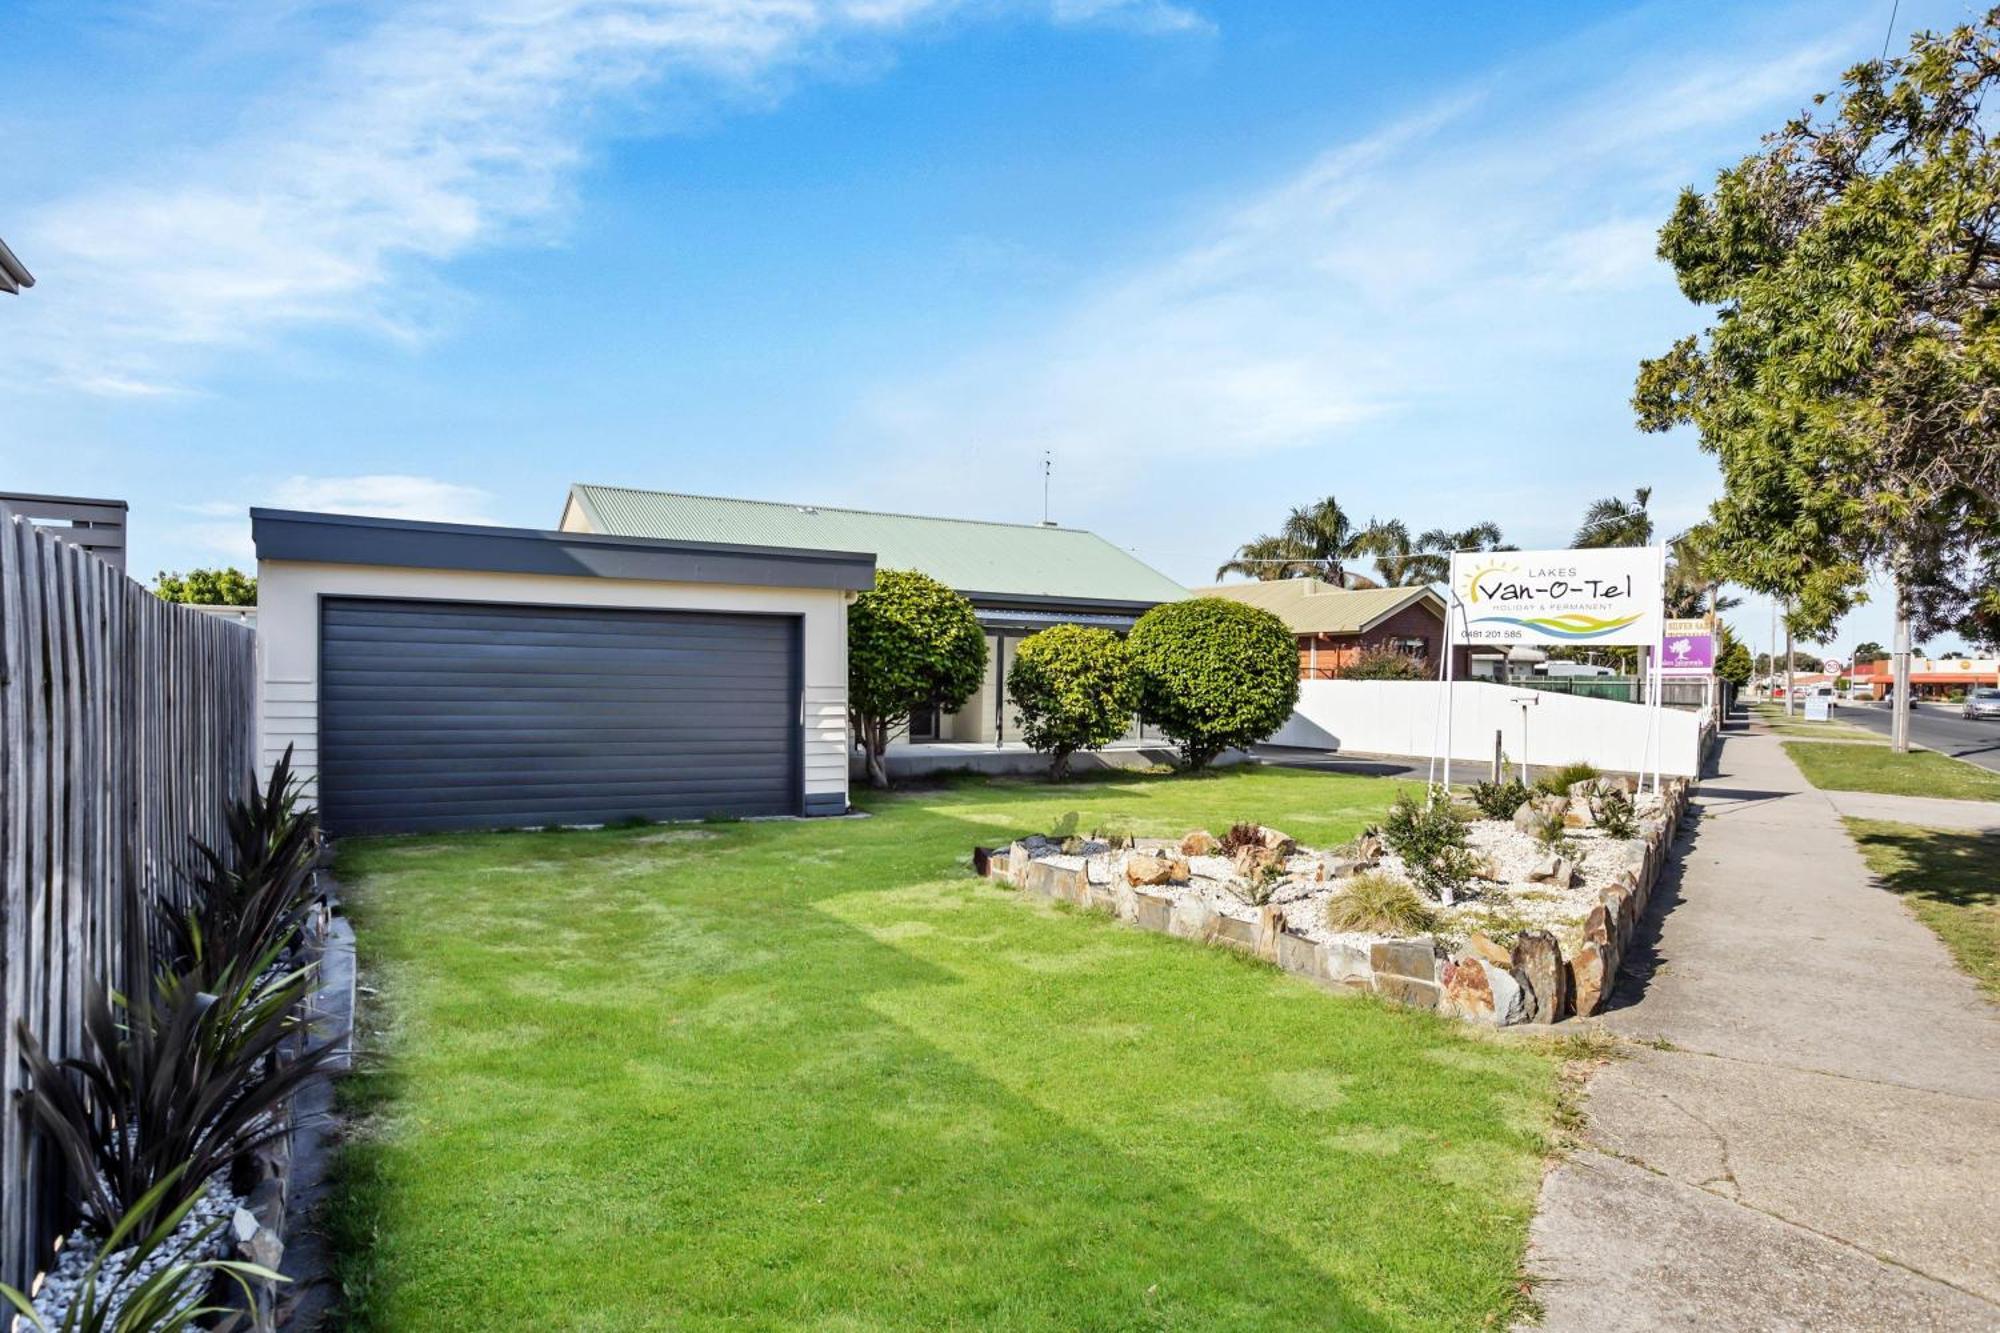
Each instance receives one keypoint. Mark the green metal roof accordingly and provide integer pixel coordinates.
(1314, 606)
(971, 555)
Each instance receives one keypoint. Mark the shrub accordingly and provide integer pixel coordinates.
(1430, 838)
(1385, 664)
(912, 643)
(1214, 674)
(1499, 800)
(1615, 815)
(1074, 690)
(1241, 836)
(1379, 904)
(1562, 779)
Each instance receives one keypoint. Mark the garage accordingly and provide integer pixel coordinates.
(467, 715)
(449, 676)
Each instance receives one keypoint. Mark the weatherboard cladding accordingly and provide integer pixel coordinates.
(995, 561)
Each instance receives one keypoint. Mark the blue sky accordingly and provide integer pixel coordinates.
(440, 260)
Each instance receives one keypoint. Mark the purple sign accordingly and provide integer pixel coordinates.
(1688, 654)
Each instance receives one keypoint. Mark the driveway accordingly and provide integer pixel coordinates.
(1936, 727)
(1811, 1136)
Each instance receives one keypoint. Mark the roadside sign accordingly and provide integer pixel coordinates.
(1604, 596)
(1688, 648)
(1818, 708)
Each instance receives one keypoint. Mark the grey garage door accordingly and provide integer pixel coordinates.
(440, 715)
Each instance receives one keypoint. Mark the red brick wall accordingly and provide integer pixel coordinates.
(1335, 651)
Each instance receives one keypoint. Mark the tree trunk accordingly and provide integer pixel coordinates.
(1058, 765)
(1899, 676)
(1790, 702)
(876, 742)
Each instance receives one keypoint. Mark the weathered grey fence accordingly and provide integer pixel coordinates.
(126, 724)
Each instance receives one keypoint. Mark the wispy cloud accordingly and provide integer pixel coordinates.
(222, 527)
(440, 129)
(1441, 317)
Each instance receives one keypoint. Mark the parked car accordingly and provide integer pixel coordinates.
(1982, 703)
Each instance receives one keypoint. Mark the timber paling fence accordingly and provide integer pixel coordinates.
(126, 725)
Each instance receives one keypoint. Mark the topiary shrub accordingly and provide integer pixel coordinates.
(1499, 800)
(1559, 782)
(1214, 674)
(1379, 904)
(912, 643)
(1073, 687)
(1385, 664)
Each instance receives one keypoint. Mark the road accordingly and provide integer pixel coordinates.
(1935, 727)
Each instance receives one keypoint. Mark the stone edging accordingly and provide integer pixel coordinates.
(1532, 982)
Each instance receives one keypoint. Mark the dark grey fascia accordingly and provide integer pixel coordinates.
(351, 539)
(1003, 601)
(14, 274)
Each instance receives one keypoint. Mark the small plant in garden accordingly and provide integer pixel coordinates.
(1499, 800)
(1241, 836)
(1430, 838)
(1214, 674)
(1562, 779)
(1074, 690)
(1379, 904)
(1615, 815)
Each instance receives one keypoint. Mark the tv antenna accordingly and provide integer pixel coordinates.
(1048, 466)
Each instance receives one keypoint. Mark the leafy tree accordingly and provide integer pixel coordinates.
(1316, 541)
(1732, 662)
(1214, 674)
(912, 644)
(207, 587)
(1870, 651)
(1615, 522)
(1849, 385)
(1074, 689)
(1438, 544)
(1398, 559)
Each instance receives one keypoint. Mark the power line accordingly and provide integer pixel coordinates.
(1890, 35)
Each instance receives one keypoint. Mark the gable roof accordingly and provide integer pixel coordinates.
(978, 558)
(1314, 606)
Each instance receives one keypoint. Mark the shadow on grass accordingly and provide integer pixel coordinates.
(816, 1072)
(1950, 879)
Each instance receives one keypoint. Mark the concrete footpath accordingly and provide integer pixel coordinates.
(1812, 1141)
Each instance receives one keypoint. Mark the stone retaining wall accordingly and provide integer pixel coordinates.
(1531, 982)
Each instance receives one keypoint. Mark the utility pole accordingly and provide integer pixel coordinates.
(1790, 658)
(1899, 676)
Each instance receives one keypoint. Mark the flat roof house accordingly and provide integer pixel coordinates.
(1335, 625)
(1019, 577)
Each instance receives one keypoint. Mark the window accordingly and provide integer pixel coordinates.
(924, 724)
(1417, 648)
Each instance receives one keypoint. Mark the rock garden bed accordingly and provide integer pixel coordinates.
(1528, 924)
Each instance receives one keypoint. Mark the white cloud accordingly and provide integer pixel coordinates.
(1439, 320)
(440, 129)
(224, 529)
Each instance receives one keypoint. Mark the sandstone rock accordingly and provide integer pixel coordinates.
(1538, 963)
(1143, 869)
(1510, 997)
(1234, 932)
(1191, 919)
(1154, 911)
(1367, 847)
(1053, 881)
(1254, 863)
(1415, 958)
(1276, 841)
(1482, 947)
(1552, 869)
(1270, 928)
(1199, 843)
(1589, 979)
(1347, 963)
(1467, 993)
(1488, 868)
(1578, 814)
(1404, 990)
(1303, 956)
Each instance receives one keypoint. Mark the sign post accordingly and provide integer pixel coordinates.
(1609, 596)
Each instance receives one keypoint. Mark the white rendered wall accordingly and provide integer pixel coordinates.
(1402, 717)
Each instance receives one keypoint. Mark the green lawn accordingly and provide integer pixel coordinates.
(1951, 880)
(1774, 720)
(763, 1075)
(1879, 769)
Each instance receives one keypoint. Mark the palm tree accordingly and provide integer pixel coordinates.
(1694, 583)
(1397, 558)
(1434, 566)
(1316, 541)
(1614, 522)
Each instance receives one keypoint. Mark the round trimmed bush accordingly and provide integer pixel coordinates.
(1074, 690)
(912, 643)
(1214, 674)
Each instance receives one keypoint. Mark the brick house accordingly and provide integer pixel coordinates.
(1336, 625)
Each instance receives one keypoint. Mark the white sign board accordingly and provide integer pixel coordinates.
(1817, 708)
(1607, 596)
